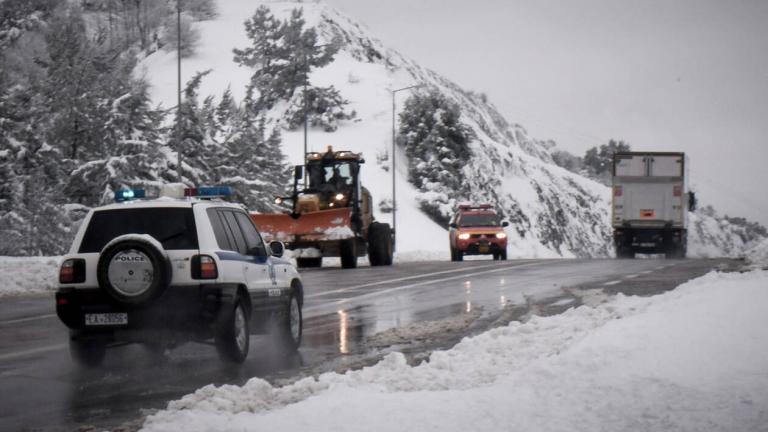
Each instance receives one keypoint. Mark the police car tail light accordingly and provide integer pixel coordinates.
(204, 267)
(72, 271)
(129, 194)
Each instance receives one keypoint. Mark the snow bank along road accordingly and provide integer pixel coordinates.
(352, 318)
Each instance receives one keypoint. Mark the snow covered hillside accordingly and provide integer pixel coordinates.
(693, 359)
(552, 212)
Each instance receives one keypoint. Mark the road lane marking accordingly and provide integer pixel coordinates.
(27, 319)
(417, 284)
(402, 279)
(32, 351)
(646, 272)
(612, 282)
(631, 276)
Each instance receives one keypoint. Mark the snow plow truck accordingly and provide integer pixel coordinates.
(331, 214)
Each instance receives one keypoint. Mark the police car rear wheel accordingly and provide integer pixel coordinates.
(87, 352)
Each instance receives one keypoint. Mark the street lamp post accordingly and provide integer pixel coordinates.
(394, 147)
(178, 90)
(306, 108)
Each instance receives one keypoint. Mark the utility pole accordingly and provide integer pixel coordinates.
(178, 89)
(394, 149)
(306, 107)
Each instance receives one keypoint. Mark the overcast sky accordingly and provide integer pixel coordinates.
(668, 75)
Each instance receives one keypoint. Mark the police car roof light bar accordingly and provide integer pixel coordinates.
(123, 195)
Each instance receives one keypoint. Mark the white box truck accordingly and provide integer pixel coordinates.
(650, 204)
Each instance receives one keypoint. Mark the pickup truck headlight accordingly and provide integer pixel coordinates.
(339, 196)
(501, 235)
(464, 236)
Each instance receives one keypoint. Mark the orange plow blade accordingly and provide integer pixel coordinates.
(324, 225)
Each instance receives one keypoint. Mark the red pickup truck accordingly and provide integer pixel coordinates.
(477, 230)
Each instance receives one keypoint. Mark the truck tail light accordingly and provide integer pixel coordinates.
(204, 267)
(677, 190)
(72, 271)
(617, 191)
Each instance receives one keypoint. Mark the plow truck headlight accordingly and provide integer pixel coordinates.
(339, 196)
(278, 200)
(501, 235)
(464, 236)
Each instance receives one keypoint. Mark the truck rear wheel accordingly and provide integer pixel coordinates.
(348, 252)
(380, 244)
(453, 255)
(675, 252)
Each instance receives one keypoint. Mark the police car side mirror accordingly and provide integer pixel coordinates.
(453, 225)
(277, 248)
(505, 224)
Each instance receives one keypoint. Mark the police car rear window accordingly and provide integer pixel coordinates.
(174, 228)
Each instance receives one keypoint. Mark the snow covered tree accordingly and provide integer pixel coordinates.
(324, 105)
(134, 158)
(437, 146)
(254, 165)
(190, 37)
(283, 53)
(599, 161)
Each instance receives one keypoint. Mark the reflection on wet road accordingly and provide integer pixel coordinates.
(351, 318)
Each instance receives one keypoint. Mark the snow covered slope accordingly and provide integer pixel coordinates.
(552, 212)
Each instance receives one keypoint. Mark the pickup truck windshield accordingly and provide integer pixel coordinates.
(470, 220)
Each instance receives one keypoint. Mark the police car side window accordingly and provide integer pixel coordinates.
(222, 237)
(229, 221)
(252, 238)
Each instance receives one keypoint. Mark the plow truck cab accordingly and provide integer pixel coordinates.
(331, 214)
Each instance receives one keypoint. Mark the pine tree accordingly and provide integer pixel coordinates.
(283, 54)
(437, 145)
(599, 161)
(134, 159)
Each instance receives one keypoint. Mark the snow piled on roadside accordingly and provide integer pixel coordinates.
(757, 257)
(28, 275)
(693, 359)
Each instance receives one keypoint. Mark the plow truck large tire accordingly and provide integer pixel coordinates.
(348, 252)
(380, 244)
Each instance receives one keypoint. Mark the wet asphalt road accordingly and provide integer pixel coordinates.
(349, 319)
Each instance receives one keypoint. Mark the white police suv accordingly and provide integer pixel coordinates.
(168, 271)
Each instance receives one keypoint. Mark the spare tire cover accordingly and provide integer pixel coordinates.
(133, 271)
(130, 272)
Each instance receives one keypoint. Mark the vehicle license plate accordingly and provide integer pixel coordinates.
(116, 318)
(484, 249)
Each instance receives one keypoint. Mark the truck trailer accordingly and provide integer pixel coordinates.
(650, 204)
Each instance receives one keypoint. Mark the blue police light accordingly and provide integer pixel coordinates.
(129, 194)
(214, 191)
(208, 192)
